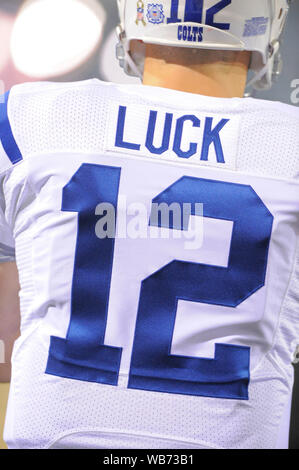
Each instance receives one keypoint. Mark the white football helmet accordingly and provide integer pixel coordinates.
(240, 25)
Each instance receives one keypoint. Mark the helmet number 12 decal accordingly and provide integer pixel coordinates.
(194, 13)
(83, 354)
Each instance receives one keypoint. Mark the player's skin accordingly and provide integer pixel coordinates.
(221, 74)
(9, 314)
(211, 73)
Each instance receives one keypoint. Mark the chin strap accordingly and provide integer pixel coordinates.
(132, 65)
(276, 69)
(258, 76)
(124, 56)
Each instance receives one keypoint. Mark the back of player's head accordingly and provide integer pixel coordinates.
(237, 25)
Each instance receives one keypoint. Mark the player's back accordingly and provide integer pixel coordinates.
(155, 235)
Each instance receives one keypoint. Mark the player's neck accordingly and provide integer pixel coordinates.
(218, 77)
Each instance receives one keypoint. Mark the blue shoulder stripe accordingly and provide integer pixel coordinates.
(6, 136)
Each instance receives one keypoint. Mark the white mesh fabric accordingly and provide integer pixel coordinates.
(73, 117)
(64, 117)
(20, 199)
(59, 120)
(276, 125)
(86, 408)
(7, 244)
(287, 337)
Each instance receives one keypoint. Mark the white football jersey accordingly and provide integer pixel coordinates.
(156, 237)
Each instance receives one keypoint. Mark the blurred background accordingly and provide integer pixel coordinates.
(70, 40)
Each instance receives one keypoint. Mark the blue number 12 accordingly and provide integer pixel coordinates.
(194, 13)
(83, 354)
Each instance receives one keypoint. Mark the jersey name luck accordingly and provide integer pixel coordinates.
(196, 137)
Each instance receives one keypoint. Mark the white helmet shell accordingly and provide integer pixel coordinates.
(239, 25)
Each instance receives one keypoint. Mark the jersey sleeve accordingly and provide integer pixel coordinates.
(7, 245)
(9, 156)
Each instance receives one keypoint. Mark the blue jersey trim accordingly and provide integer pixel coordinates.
(6, 136)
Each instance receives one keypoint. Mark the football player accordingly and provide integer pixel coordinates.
(137, 329)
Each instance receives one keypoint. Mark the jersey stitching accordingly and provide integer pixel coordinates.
(163, 162)
(277, 328)
(13, 165)
(120, 433)
(135, 89)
